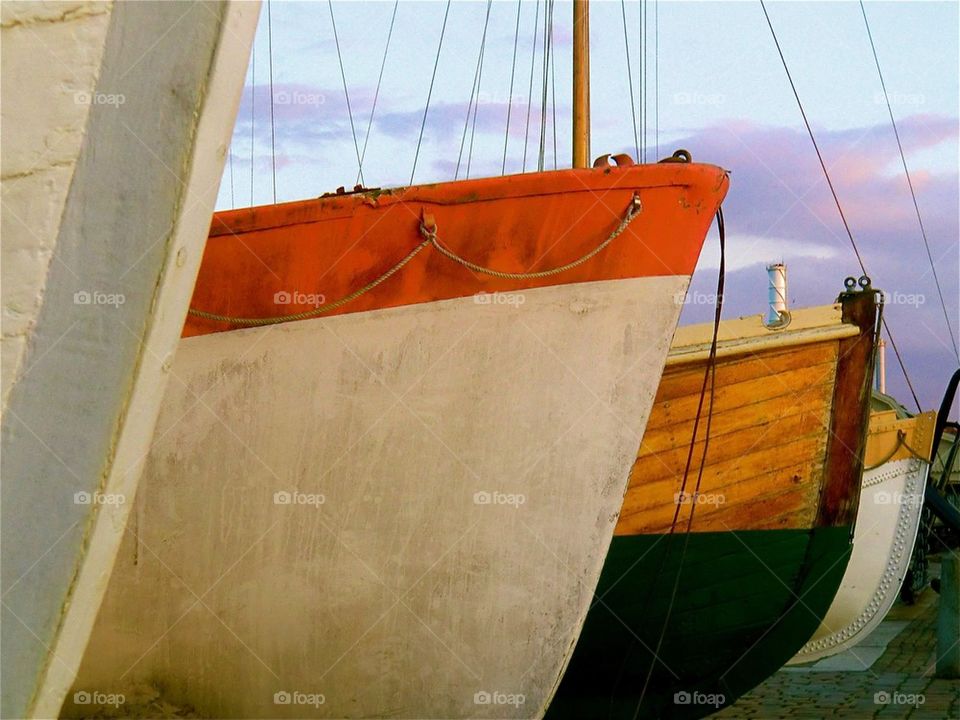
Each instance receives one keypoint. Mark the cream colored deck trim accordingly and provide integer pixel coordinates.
(748, 335)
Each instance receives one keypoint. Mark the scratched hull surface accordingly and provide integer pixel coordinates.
(447, 467)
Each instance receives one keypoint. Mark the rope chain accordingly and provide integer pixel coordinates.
(429, 238)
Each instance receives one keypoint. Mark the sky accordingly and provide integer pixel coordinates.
(712, 82)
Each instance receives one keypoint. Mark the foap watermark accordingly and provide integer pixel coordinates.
(696, 98)
(483, 497)
(499, 298)
(283, 497)
(685, 697)
(99, 98)
(95, 697)
(488, 98)
(482, 697)
(698, 498)
(902, 298)
(98, 498)
(887, 497)
(295, 697)
(899, 698)
(299, 97)
(695, 297)
(299, 298)
(96, 297)
(900, 98)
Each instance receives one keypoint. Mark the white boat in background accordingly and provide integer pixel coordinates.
(896, 465)
(116, 122)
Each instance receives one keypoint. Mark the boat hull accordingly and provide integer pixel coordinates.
(744, 599)
(452, 474)
(891, 505)
(757, 551)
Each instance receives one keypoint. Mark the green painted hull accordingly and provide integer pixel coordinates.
(746, 602)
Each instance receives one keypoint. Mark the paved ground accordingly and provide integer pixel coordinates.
(899, 684)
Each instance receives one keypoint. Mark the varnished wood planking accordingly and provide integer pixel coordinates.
(796, 382)
(771, 416)
(741, 482)
(680, 380)
(669, 464)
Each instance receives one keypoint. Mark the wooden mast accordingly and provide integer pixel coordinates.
(581, 83)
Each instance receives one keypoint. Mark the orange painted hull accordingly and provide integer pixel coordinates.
(279, 260)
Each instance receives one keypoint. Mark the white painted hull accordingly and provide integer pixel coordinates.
(471, 460)
(891, 503)
(115, 132)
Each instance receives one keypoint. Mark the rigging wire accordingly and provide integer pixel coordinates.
(553, 89)
(646, 65)
(633, 104)
(346, 94)
(547, 32)
(656, 77)
(476, 105)
(833, 192)
(253, 109)
(533, 61)
(474, 90)
(376, 94)
(273, 132)
(233, 197)
(513, 72)
(433, 77)
(906, 171)
(710, 373)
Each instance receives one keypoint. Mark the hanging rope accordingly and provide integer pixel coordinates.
(513, 72)
(833, 192)
(346, 93)
(273, 134)
(913, 194)
(709, 374)
(632, 212)
(433, 77)
(428, 232)
(533, 60)
(900, 443)
(633, 102)
(376, 95)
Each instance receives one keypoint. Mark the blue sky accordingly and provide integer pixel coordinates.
(722, 94)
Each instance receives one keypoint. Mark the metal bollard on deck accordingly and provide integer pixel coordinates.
(948, 618)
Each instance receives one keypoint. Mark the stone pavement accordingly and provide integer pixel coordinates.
(900, 684)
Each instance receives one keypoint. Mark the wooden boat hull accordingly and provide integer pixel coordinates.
(891, 505)
(386, 508)
(769, 531)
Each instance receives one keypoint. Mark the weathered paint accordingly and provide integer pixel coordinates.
(137, 182)
(260, 261)
(399, 595)
(51, 56)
